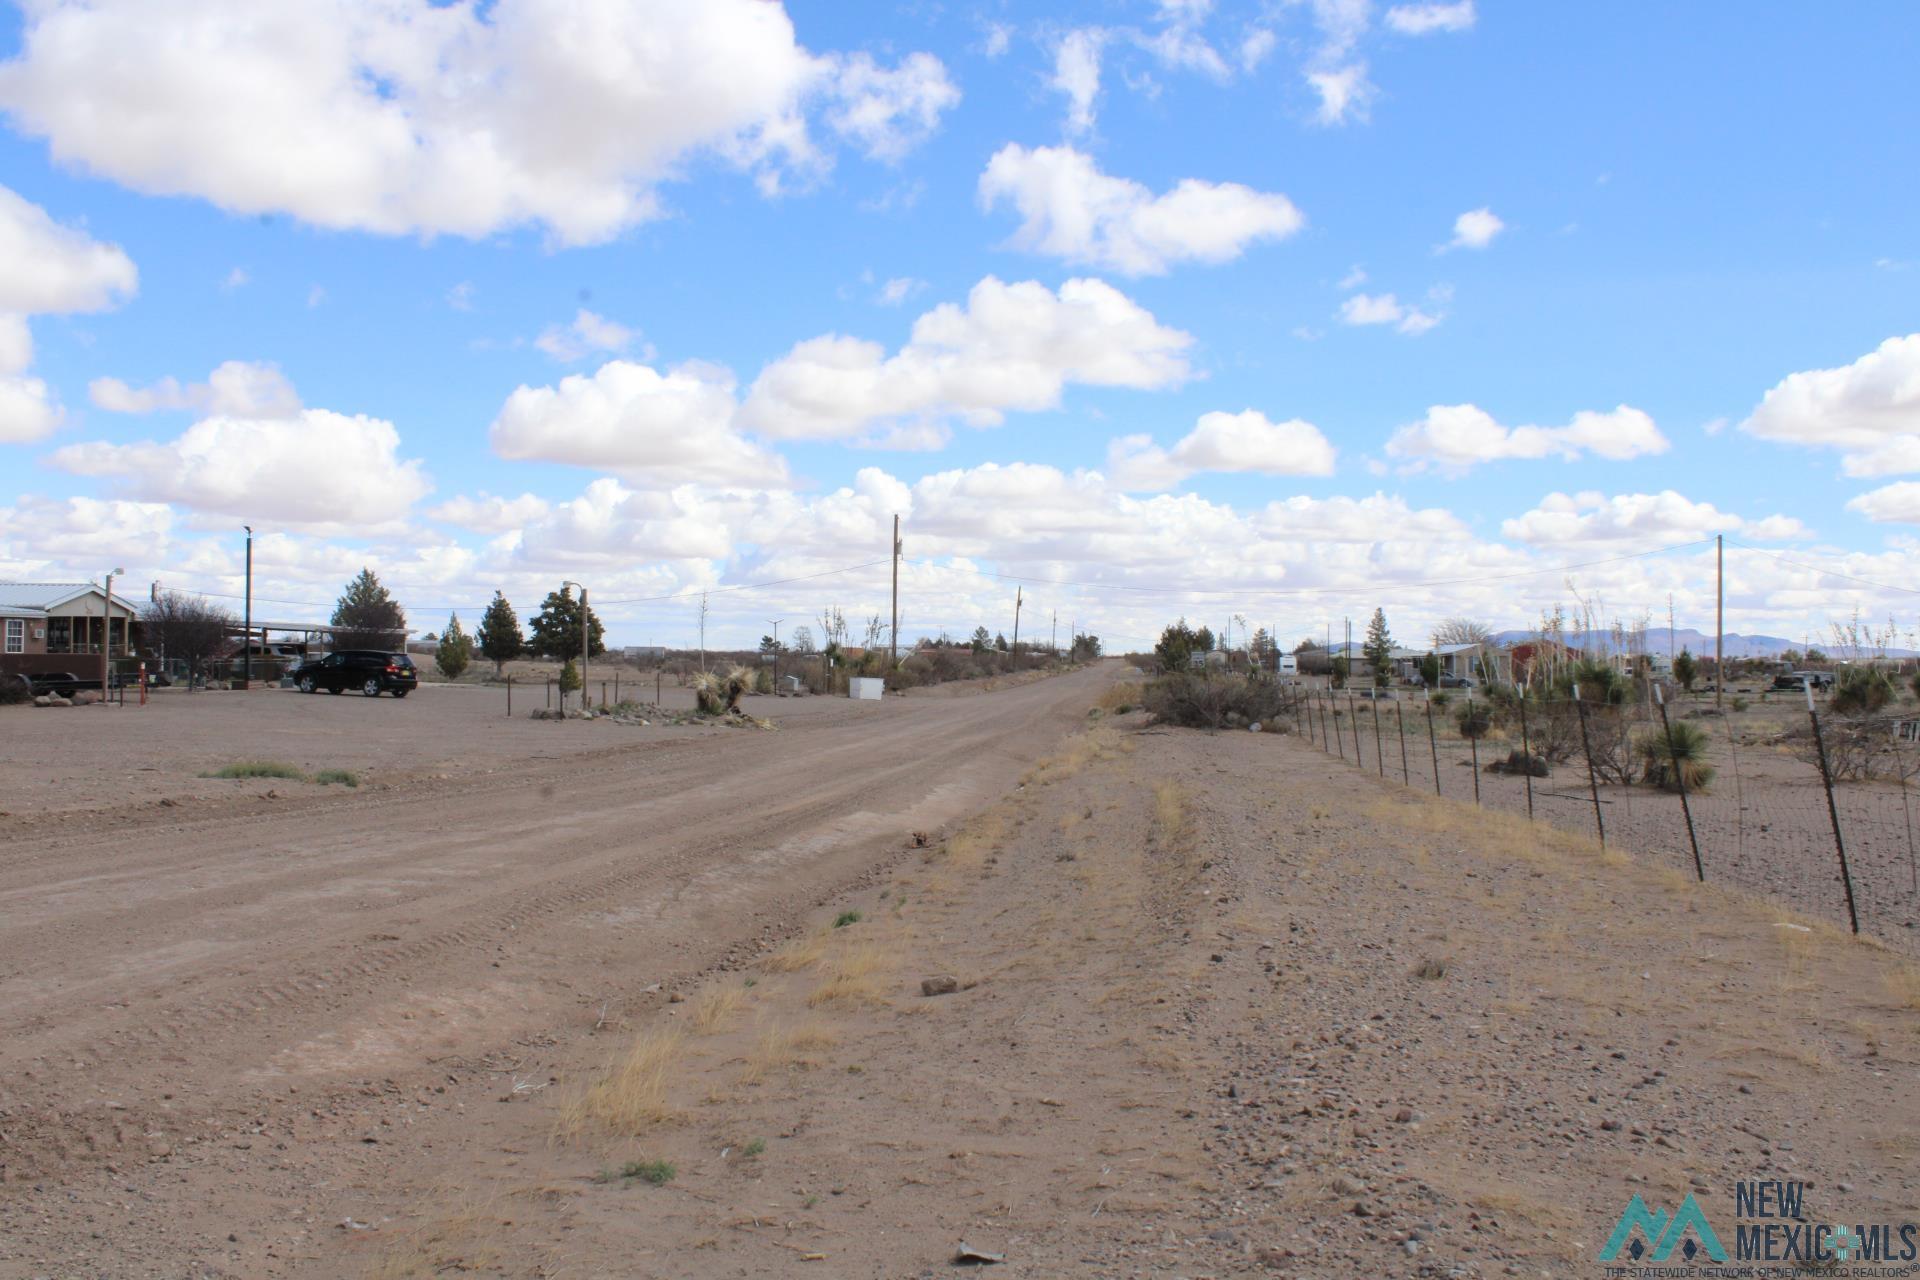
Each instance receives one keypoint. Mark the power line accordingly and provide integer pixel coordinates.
(1830, 573)
(1331, 589)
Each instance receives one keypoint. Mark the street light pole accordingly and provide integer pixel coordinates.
(106, 636)
(246, 671)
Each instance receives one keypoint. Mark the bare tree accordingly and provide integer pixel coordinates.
(803, 639)
(187, 629)
(1462, 631)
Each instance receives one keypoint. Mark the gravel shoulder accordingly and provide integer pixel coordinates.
(1188, 1032)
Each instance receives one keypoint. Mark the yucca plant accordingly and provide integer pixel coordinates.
(1670, 757)
(716, 694)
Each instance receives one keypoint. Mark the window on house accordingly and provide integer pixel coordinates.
(16, 635)
(59, 635)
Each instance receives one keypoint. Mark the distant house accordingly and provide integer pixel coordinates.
(46, 626)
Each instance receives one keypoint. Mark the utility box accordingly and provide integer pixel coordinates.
(792, 684)
(866, 688)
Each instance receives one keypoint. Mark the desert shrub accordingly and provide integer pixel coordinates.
(1212, 700)
(715, 694)
(1861, 690)
(1611, 742)
(569, 678)
(1518, 762)
(257, 769)
(1441, 698)
(1473, 719)
(14, 690)
(1598, 682)
(1741, 704)
(337, 778)
(1674, 756)
(1916, 684)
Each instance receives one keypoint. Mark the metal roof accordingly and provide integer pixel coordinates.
(38, 598)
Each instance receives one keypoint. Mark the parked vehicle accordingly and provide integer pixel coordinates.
(64, 683)
(1459, 682)
(371, 671)
(1289, 665)
(1818, 679)
(1795, 681)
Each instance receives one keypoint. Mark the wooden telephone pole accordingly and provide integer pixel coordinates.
(1016, 623)
(893, 631)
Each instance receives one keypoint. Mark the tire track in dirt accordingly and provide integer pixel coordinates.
(75, 1023)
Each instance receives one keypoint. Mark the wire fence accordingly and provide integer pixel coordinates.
(1817, 811)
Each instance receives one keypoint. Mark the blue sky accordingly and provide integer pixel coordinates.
(1670, 212)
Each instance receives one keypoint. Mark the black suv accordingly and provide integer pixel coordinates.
(368, 670)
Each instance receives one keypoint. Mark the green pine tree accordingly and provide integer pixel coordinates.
(1686, 670)
(367, 617)
(499, 634)
(556, 628)
(456, 649)
(1378, 649)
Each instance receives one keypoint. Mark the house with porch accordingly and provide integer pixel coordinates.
(47, 627)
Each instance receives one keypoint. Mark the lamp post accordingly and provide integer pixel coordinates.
(246, 660)
(106, 635)
(583, 647)
(776, 651)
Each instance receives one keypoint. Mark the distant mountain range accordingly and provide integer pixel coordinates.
(1700, 643)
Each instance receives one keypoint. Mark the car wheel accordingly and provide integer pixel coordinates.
(306, 685)
(401, 693)
(336, 689)
(371, 688)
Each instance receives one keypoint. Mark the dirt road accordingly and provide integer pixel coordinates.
(160, 979)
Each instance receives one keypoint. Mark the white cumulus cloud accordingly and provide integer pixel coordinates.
(1076, 74)
(586, 335)
(1070, 210)
(1638, 518)
(316, 470)
(1870, 409)
(1455, 437)
(1245, 441)
(1475, 229)
(407, 116)
(1386, 309)
(655, 429)
(237, 388)
(1425, 19)
(1011, 347)
(485, 513)
(46, 269)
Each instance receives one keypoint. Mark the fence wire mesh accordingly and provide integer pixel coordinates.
(1757, 799)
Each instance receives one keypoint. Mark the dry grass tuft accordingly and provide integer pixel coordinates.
(797, 954)
(1903, 984)
(853, 977)
(458, 1239)
(1172, 828)
(1122, 696)
(631, 1097)
(715, 1005)
(783, 1048)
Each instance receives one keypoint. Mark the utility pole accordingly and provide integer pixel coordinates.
(776, 651)
(1719, 617)
(893, 632)
(246, 674)
(585, 634)
(703, 631)
(1054, 640)
(1017, 598)
(106, 636)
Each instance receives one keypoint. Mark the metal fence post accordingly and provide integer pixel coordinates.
(1833, 810)
(1400, 719)
(1593, 779)
(1433, 743)
(1680, 777)
(1473, 741)
(1354, 716)
(1339, 740)
(1379, 760)
(509, 697)
(1526, 753)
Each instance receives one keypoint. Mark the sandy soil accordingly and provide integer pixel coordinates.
(422, 1031)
